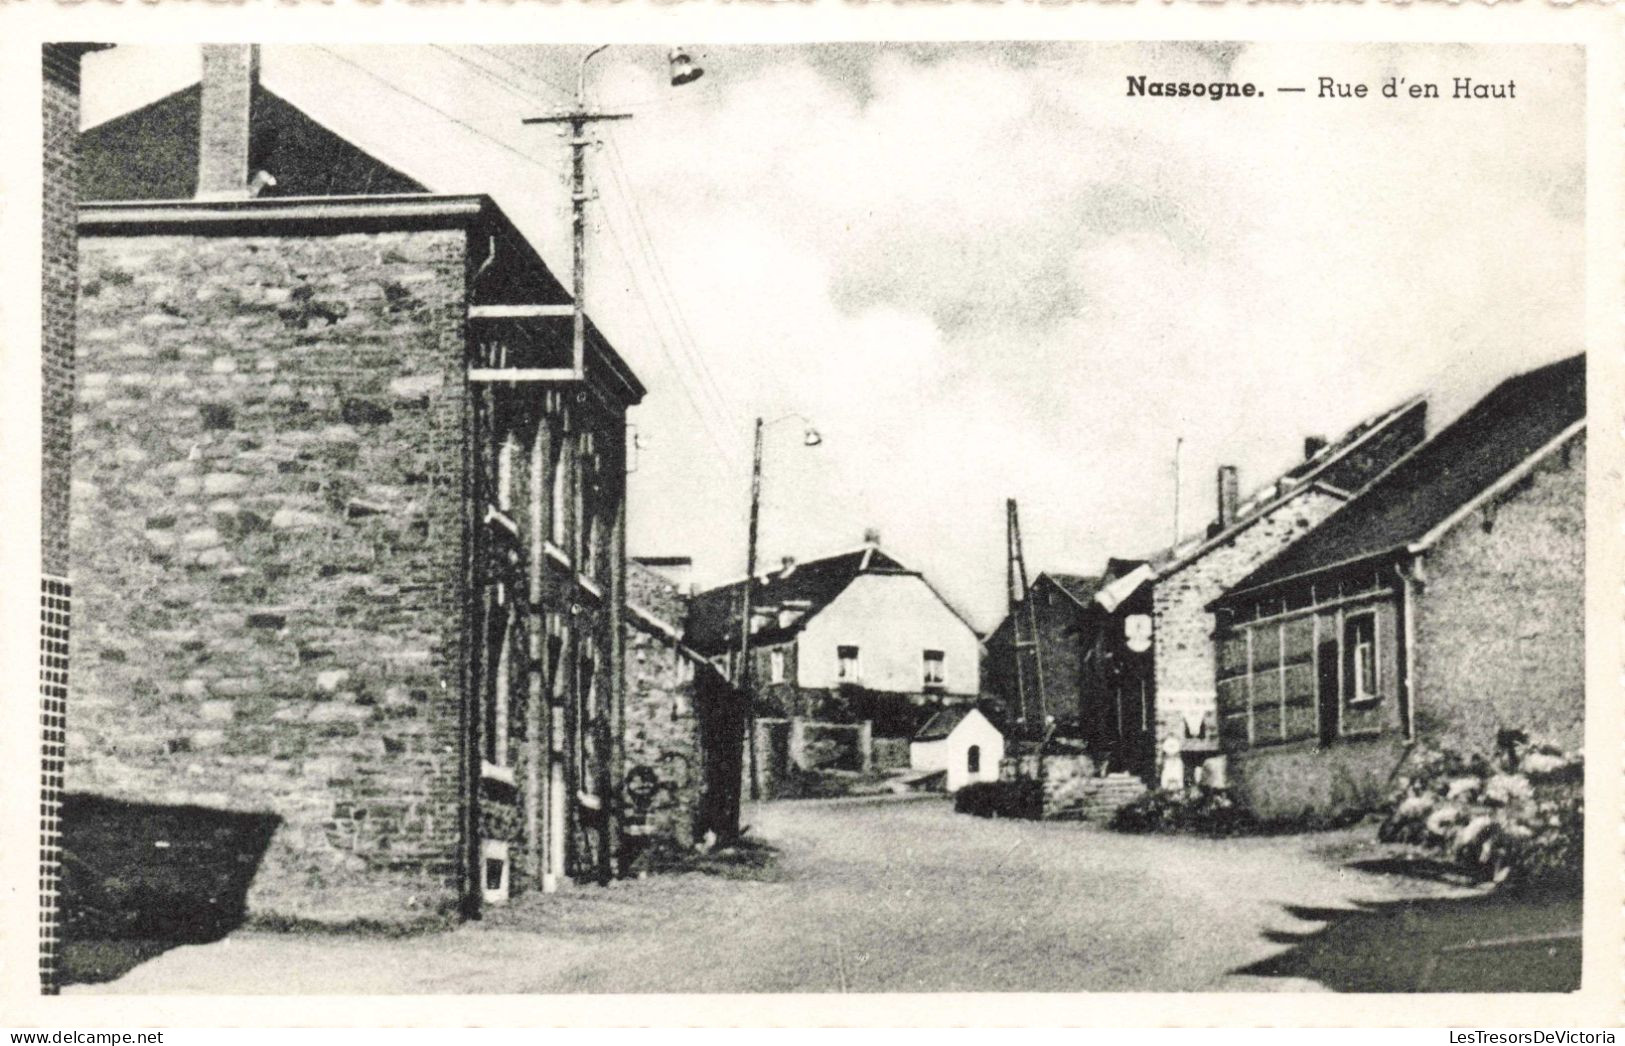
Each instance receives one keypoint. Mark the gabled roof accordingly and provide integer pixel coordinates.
(940, 726)
(1078, 587)
(713, 615)
(1302, 476)
(1520, 419)
(151, 153)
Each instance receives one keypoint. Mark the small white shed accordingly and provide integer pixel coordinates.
(961, 741)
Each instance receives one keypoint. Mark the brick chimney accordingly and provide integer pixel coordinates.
(1313, 445)
(1229, 495)
(230, 74)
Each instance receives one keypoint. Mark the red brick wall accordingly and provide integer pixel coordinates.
(1500, 630)
(268, 481)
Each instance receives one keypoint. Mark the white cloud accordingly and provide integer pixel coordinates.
(987, 272)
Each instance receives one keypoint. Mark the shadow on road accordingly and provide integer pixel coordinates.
(1488, 943)
(141, 878)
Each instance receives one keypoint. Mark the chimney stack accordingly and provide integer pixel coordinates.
(788, 563)
(231, 72)
(1313, 445)
(871, 537)
(1229, 495)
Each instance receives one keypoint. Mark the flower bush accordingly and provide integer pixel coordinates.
(1516, 817)
(1212, 812)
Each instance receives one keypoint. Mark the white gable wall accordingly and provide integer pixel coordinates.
(953, 752)
(892, 619)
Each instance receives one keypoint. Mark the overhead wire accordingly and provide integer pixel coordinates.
(708, 423)
(642, 239)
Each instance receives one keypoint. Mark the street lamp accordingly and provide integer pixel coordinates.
(577, 118)
(809, 438)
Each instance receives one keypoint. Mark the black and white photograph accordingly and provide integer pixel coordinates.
(837, 517)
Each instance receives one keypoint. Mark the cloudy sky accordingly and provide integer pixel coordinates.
(985, 272)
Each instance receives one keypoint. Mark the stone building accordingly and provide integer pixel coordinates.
(59, 289)
(685, 722)
(1180, 709)
(351, 519)
(1443, 604)
(1051, 617)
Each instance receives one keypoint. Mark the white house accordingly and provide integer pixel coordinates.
(962, 741)
(856, 621)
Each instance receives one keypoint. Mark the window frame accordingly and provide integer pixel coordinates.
(775, 665)
(1353, 695)
(841, 661)
(940, 660)
(973, 759)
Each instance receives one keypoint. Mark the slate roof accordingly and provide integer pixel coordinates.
(713, 615)
(1078, 586)
(939, 726)
(151, 153)
(1422, 490)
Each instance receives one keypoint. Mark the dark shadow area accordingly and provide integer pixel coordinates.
(1429, 869)
(1490, 943)
(139, 879)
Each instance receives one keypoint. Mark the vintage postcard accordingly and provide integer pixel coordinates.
(959, 515)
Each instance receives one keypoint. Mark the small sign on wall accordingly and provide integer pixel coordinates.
(1137, 632)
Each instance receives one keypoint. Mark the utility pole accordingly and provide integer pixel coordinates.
(1020, 605)
(745, 682)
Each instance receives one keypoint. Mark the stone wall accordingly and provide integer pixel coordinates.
(1281, 781)
(1183, 627)
(267, 499)
(1074, 788)
(663, 730)
(1500, 629)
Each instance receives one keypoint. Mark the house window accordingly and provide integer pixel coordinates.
(775, 666)
(559, 497)
(973, 759)
(933, 670)
(846, 664)
(1360, 652)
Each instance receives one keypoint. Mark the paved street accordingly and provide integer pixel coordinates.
(905, 896)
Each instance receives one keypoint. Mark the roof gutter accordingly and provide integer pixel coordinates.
(1428, 540)
(118, 216)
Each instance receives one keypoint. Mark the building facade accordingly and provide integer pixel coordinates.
(59, 291)
(846, 638)
(962, 743)
(685, 724)
(1443, 605)
(1182, 707)
(352, 574)
(1044, 688)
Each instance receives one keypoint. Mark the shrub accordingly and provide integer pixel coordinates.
(1517, 817)
(1211, 812)
(1201, 811)
(1023, 799)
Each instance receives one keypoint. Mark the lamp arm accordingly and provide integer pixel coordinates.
(581, 75)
